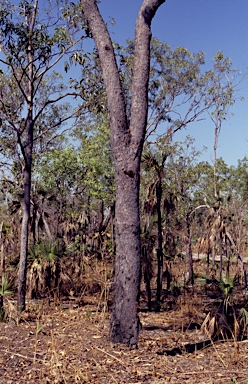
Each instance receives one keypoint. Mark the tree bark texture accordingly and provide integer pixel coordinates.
(127, 138)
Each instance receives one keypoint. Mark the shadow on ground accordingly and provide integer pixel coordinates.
(187, 348)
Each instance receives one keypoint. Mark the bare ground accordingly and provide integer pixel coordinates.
(68, 343)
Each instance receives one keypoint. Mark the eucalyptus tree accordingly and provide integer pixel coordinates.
(58, 178)
(127, 138)
(178, 86)
(157, 163)
(238, 182)
(221, 96)
(183, 182)
(224, 225)
(99, 185)
(96, 157)
(33, 41)
(232, 191)
(78, 179)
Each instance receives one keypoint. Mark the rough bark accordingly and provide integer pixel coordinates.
(127, 143)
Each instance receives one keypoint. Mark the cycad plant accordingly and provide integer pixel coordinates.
(227, 321)
(5, 290)
(44, 269)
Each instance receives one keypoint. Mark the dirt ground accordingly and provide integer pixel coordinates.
(68, 343)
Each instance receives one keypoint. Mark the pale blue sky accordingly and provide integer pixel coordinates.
(199, 25)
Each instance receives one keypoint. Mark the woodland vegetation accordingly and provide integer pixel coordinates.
(57, 183)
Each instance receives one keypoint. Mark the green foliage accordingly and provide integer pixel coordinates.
(5, 290)
(96, 157)
(33, 114)
(18, 31)
(87, 168)
(44, 268)
(45, 250)
(226, 286)
(238, 180)
(70, 181)
(175, 80)
(244, 316)
(59, 170)
(6, 286)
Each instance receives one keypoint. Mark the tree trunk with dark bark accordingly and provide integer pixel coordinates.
(127, 138)
(125, 322)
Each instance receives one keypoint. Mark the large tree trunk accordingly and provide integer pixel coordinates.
(125, 322)
(127, 143)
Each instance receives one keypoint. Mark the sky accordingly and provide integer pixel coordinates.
(199, 25)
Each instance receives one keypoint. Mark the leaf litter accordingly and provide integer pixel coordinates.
(68, 343)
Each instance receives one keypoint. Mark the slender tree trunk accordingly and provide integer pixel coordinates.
(221, 255)
(147, 271)
(228, 254)
(35, 221)
(239, 259)
(213, 251)
(21, 302)
(47, 229)
(27, 154)
(113, 241)
(190, 272)
(208, 263)
(160, 243)
(2, 260)
(25, 217)
(2, 268)
(243, 271)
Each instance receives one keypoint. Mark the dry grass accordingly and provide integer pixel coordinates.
(68, 343)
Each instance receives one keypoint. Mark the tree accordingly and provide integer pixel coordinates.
(30, 52)
(127, 138)
(221, 93)
(182, 182)
(179, 90)
(157, 163)
(58, 179)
